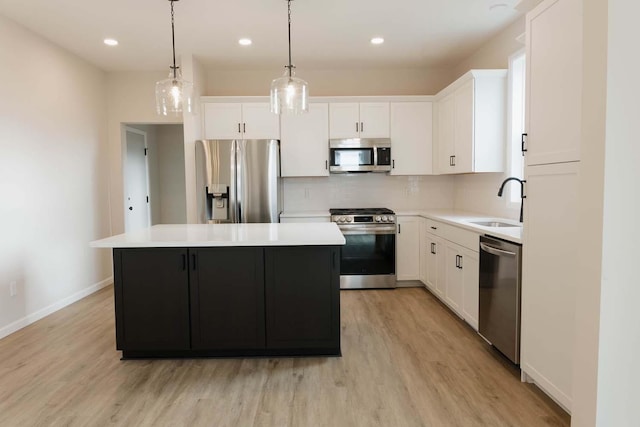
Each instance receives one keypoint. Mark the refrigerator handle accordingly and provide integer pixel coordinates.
(233, 191)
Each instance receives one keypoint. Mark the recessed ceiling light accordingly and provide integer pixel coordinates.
(377, 40)
(498, 6)
(245, 42)
(111, 42)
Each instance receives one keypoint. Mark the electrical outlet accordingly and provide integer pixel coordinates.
(13, 288)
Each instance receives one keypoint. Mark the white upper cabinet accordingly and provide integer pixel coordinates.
(358, 120)
(304, 147)
(222, 121)
(240, 121)
(411, 130)
(554, 82)
(472, 123)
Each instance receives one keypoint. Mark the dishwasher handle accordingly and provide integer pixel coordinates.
(495, 251)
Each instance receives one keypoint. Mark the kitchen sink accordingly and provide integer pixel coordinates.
(495, 224)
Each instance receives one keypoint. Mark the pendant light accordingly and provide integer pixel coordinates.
(174, 94)
(289, 94)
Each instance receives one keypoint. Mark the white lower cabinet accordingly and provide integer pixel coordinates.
(549, 277)
(470, 287)
(451, 268)
(408, 248)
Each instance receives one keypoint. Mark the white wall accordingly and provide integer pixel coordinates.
(478, 192)
(618, 375)
(53, 177)
(171, 174)
(130, 99)
(400, 193)
(339, 82)
(591, 199)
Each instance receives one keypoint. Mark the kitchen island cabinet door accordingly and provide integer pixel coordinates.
(227, 298)
(303, 298)
(151, 289)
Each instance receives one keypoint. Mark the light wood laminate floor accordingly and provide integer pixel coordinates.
(407, 361)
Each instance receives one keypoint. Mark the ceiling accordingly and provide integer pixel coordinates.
(325, 33)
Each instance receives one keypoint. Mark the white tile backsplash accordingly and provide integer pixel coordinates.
(479, 193)
(400, 193)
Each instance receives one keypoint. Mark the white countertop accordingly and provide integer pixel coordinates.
(305, 214)
(220, 235)
(464, 219)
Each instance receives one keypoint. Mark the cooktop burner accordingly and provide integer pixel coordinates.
(362, 211)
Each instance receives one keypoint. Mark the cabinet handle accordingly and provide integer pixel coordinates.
(394, 164)
(193, 258)
(460, 267)
(239, 131)
(333, 260)
(244, 128)
(523, 141)
(326, 165)
(357, 128)
(450, 160)
(398, 228)
(361, 127)
(457, 261)
(433, 248)
(184, 262)
(434, 228)
(454, 160)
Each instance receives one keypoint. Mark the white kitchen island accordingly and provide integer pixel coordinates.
(227, 290)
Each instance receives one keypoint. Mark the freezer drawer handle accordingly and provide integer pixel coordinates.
(495, 251)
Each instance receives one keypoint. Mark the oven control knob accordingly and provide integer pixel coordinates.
(349, 219)
(384, 218)
(378, 219)
(343, 219)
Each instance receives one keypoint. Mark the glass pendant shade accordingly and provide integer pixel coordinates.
(289, 94)
(174, 95)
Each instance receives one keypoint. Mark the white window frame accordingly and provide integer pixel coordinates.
(513, 147)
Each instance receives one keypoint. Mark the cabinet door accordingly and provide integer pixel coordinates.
(151, 293)
(258, 122)
(455, 277)
(222, 120)
(431, 248)
(446, 130)
(344, 120)
(554, 82)
(549, 277)
(303, 297)
(408, 248)
(412, 135)
(227, 298)
(304, 148)
(471, 287)
(464, 128)
(374, 120)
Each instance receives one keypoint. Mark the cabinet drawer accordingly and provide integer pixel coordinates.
(460, 236)
(434, 227)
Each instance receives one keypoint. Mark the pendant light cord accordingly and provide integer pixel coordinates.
(173, 43)
(290, 65)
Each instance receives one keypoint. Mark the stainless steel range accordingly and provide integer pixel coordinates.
(368, 259)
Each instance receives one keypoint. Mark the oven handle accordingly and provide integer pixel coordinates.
(368, 230)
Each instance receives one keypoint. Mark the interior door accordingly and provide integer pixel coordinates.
(136, 181)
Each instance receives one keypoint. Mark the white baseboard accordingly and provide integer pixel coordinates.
(34, 317)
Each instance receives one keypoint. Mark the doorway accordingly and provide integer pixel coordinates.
(137, 213)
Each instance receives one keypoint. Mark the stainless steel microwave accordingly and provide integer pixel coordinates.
(359, 155)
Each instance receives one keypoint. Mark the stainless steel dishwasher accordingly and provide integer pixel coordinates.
(500, 289)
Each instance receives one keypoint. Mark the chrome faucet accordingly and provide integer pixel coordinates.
(522, 196)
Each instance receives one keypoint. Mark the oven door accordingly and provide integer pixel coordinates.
(368, 259)
(360, 159)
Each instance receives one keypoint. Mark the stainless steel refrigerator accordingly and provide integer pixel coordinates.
(238, 181)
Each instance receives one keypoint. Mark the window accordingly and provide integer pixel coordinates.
(517, 67)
